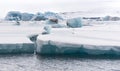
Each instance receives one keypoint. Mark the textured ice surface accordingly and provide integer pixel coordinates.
(95, 40)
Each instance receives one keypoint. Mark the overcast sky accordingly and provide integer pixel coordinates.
(34, 6)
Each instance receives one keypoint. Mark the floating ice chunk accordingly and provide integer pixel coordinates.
(58, 26)
(52, 15)
(74, 23)
(13, 16)
(27, 16)
(90, 41)
(39, 17)
(49, 44)
(54, 23)
(47, 29)
(49, 22)
(33, 37)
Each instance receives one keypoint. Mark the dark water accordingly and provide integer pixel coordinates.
(55, 63)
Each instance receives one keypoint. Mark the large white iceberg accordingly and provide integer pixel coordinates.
(95, 40)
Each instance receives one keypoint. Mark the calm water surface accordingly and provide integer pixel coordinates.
(54, 63)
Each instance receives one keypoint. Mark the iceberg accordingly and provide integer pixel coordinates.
(86, 40)
(13, 16)
(47, 29)
(38, 17)
(55, 25)
(52, 15)
(74, 23)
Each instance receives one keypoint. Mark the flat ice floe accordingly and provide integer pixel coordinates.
(15, 39)
(102, 39)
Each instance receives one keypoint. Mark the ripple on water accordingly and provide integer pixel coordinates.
(55, 63)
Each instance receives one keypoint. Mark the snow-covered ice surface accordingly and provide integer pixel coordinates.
(97, 39)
